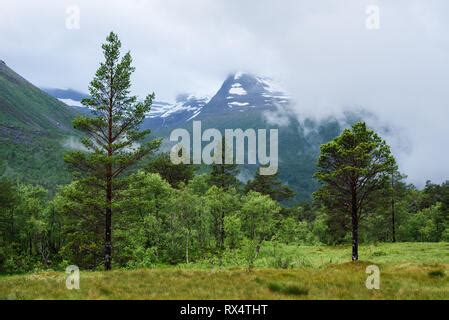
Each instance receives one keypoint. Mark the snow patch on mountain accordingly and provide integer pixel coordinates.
(71, 102)
(236, 89)
(238, 104)
(158, 108)
(186, 107)
(240, 92)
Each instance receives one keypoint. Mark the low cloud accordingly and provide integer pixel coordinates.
(74, 143)
(321, 51)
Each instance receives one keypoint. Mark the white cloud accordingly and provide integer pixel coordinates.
(320, 50)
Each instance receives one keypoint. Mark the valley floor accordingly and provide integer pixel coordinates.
(407, 271)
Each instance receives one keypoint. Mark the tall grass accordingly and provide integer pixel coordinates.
(408, 271)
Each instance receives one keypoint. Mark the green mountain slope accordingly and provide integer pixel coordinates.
(298, 143)
(33, 128)
(24, 106)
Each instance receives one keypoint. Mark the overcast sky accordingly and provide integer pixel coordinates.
(321, 51)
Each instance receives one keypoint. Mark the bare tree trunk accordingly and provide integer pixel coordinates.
(259, 245)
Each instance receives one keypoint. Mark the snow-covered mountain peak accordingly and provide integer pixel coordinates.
(186, 107)
(240, 92)
(244, 91)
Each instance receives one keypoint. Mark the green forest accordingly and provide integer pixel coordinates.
(128, 207)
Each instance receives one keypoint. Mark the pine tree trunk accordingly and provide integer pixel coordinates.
(108, 229)
(108, 217)
(355, 229)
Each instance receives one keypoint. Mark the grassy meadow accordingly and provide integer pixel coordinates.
(408, 271)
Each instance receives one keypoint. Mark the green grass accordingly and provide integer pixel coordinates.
(408, 271)
(277, 255)
(288, 289)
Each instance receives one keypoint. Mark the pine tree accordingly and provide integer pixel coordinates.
(270, 185)
(354, 168)
(112, 134)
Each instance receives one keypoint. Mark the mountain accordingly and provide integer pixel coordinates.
(167, 115)
(242, 91)
(26, 107)
(33, 126)
(248, 101)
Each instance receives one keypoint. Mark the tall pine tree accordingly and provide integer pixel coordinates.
(354, 168)
(113, 137)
